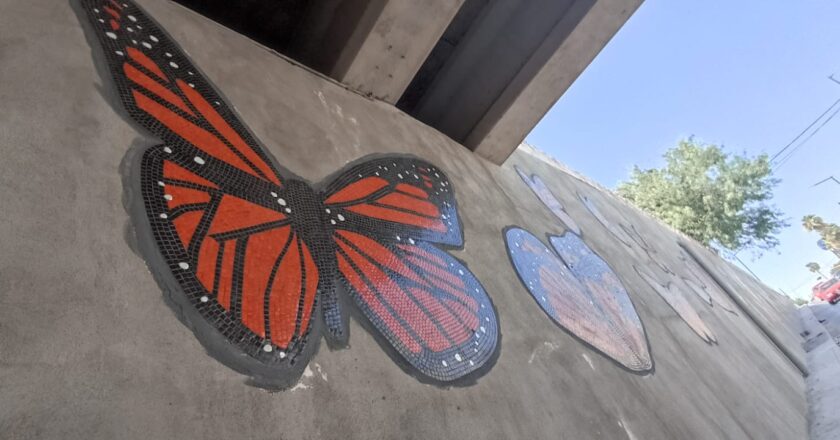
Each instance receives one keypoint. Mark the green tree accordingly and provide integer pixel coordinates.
(711, 196)
(815, 268)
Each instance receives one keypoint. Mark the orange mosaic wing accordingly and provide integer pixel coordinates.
(389, 216)
(228, 228)
(165, 93)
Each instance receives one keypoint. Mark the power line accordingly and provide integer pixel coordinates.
(804, 141)
(804, 131)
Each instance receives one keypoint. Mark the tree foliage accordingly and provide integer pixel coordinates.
(815, 268)
(829, 232)
(711, 196)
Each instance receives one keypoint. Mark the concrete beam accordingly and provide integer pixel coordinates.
(546, 76)
(390, 43)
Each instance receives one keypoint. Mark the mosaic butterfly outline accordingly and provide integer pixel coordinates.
(261, 263)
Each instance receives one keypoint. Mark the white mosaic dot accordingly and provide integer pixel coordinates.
(444, 363)
(132, 18)
(204, 299)
(153, 38)
(273, 194)
(289, 210)
(160, 183)
(168, 55)
(167, 150)
(267, 348)
(167, 196)
(483, 330)
(332, 222)
(328, 210)
(472, 363)
(411, 240)
(111, 35)
(119, 52)
(198, 160)
(173, 64)
(457, 357)
(282, 354)
(340, 218)
(183, 265)
(147, 45)
(163, 216)
(281, 201)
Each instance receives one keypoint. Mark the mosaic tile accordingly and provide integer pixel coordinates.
(261, 259)
(548, 199)
(580, 293)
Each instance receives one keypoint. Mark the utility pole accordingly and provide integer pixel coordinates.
(832, 178)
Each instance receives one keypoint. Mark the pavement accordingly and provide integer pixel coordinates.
(821, 330)
(90, 350)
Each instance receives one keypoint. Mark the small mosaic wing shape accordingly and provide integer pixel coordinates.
(616, 231)
(674, 298)
(707, 289)
(389, 216)
(165, 93)
(549, 200)
(581, 295)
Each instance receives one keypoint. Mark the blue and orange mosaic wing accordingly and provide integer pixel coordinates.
(581, 294)
(165, 93)
(389, 217)
(222, 218)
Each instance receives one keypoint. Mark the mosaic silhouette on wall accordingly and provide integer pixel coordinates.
(674, 297)
(704, 286)
(581, 294)
(549, 200)
(258, 263)
(626, 234)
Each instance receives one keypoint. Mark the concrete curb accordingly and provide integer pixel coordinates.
(823, 384)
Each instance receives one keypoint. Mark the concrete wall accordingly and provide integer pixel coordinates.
(88, 349)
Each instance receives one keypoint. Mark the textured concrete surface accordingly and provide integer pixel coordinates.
(821, 327)
(89, 350)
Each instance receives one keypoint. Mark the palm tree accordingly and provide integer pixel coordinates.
(815, 268)
(811, 222)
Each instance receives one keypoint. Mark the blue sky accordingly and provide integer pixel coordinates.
(749, 75)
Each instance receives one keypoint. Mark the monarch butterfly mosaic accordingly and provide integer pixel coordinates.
(259, 262)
